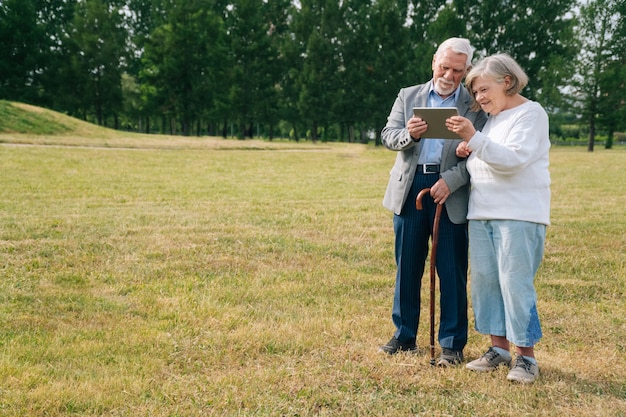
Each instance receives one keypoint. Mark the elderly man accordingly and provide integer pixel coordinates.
(430, 163)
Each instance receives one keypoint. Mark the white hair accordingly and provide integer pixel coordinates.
(458, 45)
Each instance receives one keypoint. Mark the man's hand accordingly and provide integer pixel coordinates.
(440, 191)
(416, 126)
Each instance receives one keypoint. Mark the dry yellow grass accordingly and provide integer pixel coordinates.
(182, 282)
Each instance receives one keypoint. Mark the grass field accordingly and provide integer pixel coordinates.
(188, 277)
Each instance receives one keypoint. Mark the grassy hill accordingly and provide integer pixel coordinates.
(31, 125)
(20, 118)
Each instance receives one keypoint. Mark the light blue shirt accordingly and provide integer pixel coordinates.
(431, 148)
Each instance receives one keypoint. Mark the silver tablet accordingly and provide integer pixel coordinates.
(436, 117)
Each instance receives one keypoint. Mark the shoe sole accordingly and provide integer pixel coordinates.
(411, 351)
(443, 363)
(485, 369)
(522, 380)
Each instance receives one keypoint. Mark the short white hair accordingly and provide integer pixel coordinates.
(458, 45)
(497, 67)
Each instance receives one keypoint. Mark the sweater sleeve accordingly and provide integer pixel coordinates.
(520, 141)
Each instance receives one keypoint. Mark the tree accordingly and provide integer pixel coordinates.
(30, 40)
(292, 49)
(254, 29)
(612, 81)
(423, 41)
(99, 41)
(61, 79)
(315, 29)
(142, 18)
(374, 68)
(320, 66)
(357, 75)
(537, 33)
(597, 26)
(182, 62)
(277, 16)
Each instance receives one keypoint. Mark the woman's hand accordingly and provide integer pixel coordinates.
(463, 150)
(461, 126)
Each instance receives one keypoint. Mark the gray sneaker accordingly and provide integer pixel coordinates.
(488, 362)
(523, 371)
(449, 358)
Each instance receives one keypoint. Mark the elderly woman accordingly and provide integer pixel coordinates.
(509, 209)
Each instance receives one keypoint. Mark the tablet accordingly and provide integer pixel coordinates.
(436, 117)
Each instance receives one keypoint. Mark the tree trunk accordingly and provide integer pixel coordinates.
(314, 132)
(609, 140)
(295, 133)
(592, 133)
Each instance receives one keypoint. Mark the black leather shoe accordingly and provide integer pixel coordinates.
(394, 346)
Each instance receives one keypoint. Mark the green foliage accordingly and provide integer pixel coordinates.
(98, 42)
(537, 33)
(202, 66)
(255, 37)
(182, 62)
(370, 38)
(600, 85)
(19, 34)
(570, 131)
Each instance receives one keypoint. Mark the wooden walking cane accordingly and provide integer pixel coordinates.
(433, 262)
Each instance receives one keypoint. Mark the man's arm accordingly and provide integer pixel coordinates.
(395, 135)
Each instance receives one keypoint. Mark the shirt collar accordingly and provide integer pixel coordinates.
(455, 95)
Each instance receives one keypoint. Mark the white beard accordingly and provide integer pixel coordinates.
(443, 87)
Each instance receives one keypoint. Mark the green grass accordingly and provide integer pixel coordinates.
(182, 278)
(20, 118)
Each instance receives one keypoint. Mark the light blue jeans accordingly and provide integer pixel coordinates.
(504, 258)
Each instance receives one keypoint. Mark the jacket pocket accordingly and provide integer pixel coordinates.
(396, 174)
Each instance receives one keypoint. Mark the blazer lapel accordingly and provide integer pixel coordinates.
(463, 103)
(421, 96)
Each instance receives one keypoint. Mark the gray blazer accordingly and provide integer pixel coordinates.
(396, 137)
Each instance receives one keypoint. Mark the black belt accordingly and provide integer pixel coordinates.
(428, 169)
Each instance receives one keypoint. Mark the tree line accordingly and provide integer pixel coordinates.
(318, 69)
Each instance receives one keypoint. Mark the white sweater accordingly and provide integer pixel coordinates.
(509, 167)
